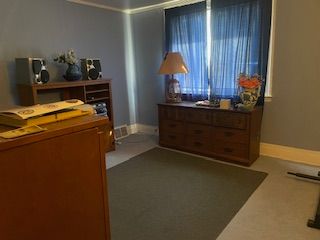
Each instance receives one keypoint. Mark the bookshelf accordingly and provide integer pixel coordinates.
(88, 91)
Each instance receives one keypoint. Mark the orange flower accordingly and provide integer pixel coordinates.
(246, 81)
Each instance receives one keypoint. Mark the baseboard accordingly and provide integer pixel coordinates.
(266, 149)
(148, 129)
(133, 128)
(290, 153)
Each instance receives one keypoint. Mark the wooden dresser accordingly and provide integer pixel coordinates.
(53, 184)
(230, 135)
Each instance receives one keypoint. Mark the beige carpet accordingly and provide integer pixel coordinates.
(162, 194)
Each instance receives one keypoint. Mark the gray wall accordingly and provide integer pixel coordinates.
(290, 119)
(41, 28)
(148, 36)
(293, 116)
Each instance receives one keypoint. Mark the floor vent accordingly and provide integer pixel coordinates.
(121, 132)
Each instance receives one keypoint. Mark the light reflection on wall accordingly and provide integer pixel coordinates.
(130, 69)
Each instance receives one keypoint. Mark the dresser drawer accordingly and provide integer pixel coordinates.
(230, 135)
(172, 126)
(171, 113)
(231, 149)
(199, 144)
(201, 116)
(172, 139)
(200, 131)
(230, 120)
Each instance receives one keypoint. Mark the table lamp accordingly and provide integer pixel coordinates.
(173, 63)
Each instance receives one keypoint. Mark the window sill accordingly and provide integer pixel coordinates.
(268, 99)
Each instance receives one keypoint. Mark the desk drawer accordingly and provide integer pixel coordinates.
(231, 149)
(172, 126)
(230, 120)
(199, 131)
(230, 135)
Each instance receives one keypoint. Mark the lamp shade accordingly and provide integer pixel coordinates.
(173, 63)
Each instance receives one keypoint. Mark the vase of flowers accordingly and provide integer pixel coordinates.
(73, 72)
(249, 90)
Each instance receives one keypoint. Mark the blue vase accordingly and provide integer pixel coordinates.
(73, 73)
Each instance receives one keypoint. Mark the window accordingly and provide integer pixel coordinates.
(232, 39)
(186, 33)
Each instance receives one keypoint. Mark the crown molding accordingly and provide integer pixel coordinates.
(96, 5)
(169, 4)
(164, 5)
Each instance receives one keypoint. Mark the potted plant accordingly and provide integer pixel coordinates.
(73, 72)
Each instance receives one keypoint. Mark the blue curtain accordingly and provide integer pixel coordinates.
(240, 33)
(186, 33)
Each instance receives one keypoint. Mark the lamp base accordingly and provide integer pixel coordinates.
(173, 91)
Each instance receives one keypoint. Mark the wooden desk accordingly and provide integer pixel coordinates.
(53, 184)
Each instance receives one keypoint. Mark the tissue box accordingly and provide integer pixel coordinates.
(225, 103)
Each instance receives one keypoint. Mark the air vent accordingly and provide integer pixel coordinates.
(121, 132)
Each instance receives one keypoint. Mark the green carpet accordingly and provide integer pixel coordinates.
(166, 195)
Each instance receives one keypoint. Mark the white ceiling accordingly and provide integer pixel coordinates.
(133, 6)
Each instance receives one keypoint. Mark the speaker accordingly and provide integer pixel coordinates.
(91, 69)
(32, 70)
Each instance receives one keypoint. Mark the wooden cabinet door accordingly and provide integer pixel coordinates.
(54, 189)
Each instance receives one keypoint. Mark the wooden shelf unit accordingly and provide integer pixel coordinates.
(230, 135)
(88, 91)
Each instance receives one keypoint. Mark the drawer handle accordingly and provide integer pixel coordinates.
(228, 150)
(198, 144)
(197, 131)
(172, 137)
(228, 134)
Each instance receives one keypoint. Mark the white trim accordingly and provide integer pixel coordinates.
(147, 129)
(268, 90)
(91, 4)
(133, 128)
(142, 128)
(290, 153)
(267, 99)
(164, 5)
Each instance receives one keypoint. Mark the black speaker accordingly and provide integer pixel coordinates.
(91, 69)
(32, 70)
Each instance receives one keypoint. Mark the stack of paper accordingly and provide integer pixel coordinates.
(44, 113)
